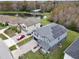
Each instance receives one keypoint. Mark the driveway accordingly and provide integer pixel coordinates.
(24, 49)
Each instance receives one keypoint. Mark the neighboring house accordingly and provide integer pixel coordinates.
(72, 52)
(48, 37)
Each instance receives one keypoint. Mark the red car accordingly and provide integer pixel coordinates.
(21, 37)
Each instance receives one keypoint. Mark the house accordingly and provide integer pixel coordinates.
(49, 36)
(72, 52)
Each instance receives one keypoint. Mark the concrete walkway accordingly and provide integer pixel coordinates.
(6, 35)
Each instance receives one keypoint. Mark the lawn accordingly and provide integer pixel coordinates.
(2, 26)
(44, 21)
(24, 41)
(9, 32)
(58, 53)
(13, 48)
(3, 37)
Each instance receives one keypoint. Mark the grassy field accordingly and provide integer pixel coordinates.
(3, 37)
(57, 53)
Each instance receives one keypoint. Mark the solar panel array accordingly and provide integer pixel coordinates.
(57, 31)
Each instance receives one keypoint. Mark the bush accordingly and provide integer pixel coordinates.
(14, 28)
(1, 24)
(6, 24)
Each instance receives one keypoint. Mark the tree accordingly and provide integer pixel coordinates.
(66, 14)
(73, 26)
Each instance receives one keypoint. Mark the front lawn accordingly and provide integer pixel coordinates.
(11, 31)
(13, 48)
(24, 41)
(3, 37)
(57, 53)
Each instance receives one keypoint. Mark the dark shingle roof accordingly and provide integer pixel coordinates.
(73, 50)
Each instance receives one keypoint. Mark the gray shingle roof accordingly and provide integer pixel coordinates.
(73, 50)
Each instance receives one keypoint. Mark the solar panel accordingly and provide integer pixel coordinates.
(57, 31)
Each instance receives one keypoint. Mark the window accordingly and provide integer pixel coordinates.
(35, 38)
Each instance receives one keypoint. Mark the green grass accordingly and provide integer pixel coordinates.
(58, 53)
(44, 21)
(2, 26)
(24, 41)
(3, 37)
(10, 32)
(13, 48)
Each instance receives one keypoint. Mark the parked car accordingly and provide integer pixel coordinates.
(21, 37)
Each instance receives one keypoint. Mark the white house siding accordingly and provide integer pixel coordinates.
(33, 27)
(66, 56)
(63, 36)
(58, 39)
